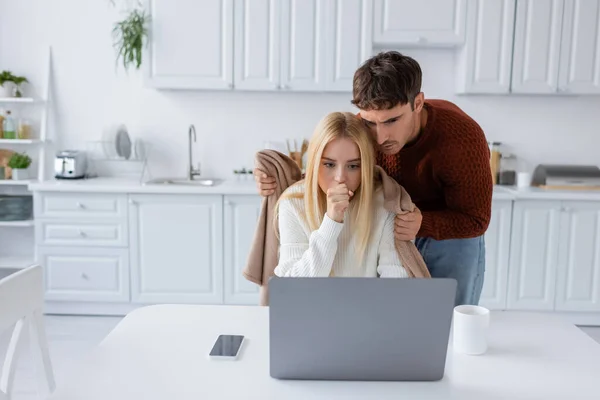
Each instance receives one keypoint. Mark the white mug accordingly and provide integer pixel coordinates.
(470, 328)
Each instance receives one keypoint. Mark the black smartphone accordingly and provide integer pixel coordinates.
(227, 347)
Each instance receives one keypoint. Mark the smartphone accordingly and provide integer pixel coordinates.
(227, 347)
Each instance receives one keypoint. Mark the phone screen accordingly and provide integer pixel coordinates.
(227, 346)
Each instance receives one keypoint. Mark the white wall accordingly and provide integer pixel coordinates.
(91, 93)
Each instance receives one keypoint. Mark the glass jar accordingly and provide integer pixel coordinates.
(24, 129)
(508, 170)
(494, 160)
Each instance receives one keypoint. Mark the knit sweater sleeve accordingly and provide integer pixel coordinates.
(389, 265)
(464, 170)
(302, 256)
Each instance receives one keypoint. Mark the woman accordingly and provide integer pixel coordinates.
(333, 222)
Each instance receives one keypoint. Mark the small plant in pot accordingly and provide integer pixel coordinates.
(10, 85)
(6, 82)
(19, 163)
(18, 89)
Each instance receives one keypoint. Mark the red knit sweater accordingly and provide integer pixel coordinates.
(447, 173)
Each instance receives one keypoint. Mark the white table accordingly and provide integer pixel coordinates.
(160, 352)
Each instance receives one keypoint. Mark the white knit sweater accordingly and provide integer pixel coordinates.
(303, 253)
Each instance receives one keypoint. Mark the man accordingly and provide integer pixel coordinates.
(441, 157)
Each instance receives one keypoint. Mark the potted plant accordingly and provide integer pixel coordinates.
(129, 37)
(6, 78)
(7, 90)
(19, 163)
(18, 81)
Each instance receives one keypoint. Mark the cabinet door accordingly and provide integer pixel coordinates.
(257, 39)
(533, 255)
(580, 50)
(485, 61)
(497, 248)
(190, 44)
(303, 44)
(241, 215)
(176, 248)
(85, 273)
(349, 41)
(419, 23)
(578, 270)
(537, 46)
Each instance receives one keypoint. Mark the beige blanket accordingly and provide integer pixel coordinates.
(263, 257)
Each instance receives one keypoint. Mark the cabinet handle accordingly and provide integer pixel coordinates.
(278, 87)
(84, 276)
(132, 202)
(82, 233)
(80, 206)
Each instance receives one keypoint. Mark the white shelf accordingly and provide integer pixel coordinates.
(10, 182)
(23, 224)
(16, 262)
(20, 141)
(16, 100)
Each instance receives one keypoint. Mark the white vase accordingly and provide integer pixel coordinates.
(5, 90)
(19, 174)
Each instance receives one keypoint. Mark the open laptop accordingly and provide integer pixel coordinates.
(365, 329)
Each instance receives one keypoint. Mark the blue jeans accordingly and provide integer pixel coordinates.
(461, 259)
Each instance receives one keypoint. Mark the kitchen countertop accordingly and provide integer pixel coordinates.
(124, 185)
(247, 187)
(535, 193)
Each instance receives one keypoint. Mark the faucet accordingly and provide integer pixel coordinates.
(192, 171)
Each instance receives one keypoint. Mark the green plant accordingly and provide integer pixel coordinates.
(6, 76)
(19, 161)
(130, 35)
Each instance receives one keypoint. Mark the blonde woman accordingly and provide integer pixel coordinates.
(333, 222)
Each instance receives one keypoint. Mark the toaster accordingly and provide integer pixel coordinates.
(70, 164)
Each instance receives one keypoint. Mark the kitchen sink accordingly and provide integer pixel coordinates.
(185, 181)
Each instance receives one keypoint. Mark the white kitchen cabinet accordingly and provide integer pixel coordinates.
(85, 273)
(419, 23)
(497, 250)
(534, 254)
(349, 41)
(257, 45)
(190, 44)
(176, 248)
(241, 216)
(578, 271)
(303, 44)
(485, 61)
(580, 49)
(537, 42)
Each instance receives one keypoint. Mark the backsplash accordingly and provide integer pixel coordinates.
(90, 93)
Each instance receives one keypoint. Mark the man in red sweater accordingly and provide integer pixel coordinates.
(441, 157)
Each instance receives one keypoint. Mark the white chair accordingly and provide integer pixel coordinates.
(21, 302)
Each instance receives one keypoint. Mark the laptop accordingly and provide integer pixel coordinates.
(364, 329)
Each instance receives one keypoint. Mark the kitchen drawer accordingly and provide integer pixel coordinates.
(88, 205)
(85, 273)
(76, 233)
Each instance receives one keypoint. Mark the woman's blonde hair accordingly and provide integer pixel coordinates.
(334, 126)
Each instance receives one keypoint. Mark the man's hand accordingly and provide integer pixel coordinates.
(265, 184)
(407, 225)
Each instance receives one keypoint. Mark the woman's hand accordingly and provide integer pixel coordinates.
(338, 201)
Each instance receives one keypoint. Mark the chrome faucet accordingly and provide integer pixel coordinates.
(192, 171)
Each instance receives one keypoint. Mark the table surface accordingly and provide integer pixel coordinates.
(160, 352)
